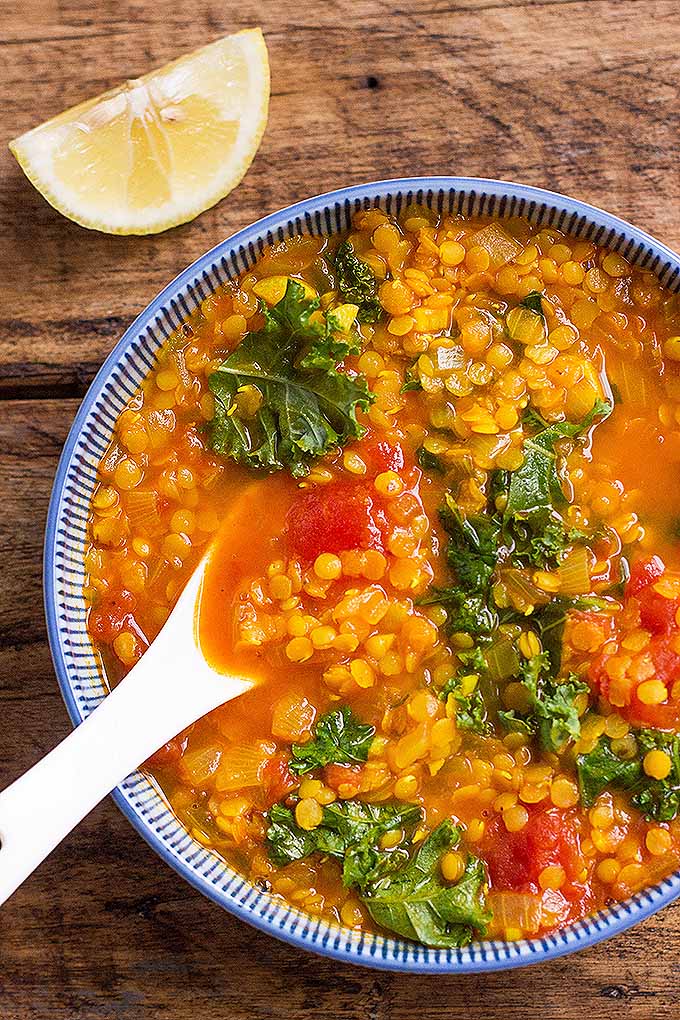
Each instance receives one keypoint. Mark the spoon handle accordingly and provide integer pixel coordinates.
(170, 687)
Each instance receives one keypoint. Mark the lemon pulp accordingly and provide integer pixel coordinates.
(159, 149)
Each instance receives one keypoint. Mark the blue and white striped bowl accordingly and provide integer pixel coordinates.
(77, 663)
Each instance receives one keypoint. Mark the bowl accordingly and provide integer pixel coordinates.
(77, 663)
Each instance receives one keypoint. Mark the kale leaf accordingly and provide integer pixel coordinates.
(349, 830)
(533, 301)
(287, 841)
(552, 716)
(541, 547)
(339, 738)
(356, 283)
(535, 487)
(536, 540)
(657, 799)
(412, 382)
(472, 550)
(429, 461)
(601, 768)
(469, 613)
(302, 405)
(402, 890)
(471, 711)
(417, 903)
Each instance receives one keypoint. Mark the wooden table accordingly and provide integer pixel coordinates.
(582, 97)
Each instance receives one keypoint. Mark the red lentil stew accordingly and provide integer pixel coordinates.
(445, 454)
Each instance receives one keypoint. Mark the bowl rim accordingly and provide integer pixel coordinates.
(415, 959)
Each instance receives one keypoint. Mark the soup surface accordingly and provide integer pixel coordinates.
(439, 460)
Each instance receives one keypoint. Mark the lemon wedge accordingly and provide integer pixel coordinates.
(157, 150)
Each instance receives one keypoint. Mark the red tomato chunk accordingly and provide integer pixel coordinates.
(335, 518)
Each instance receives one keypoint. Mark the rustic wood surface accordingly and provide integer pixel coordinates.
(578, 96)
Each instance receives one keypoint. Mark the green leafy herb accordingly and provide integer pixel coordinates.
(601, 768)
(552, 716)
(339, 738)
(473, 659)
(346, 825)
(499, 483)
(659, 798)
(287, 841)
(301, 404)
(411, 382)
(356, 283)
(402, 890)
(472, 550)
(533, 301)
(468, 613)
(429, 461)
(417, 903)
(535, 487)
(471, 711)
(655, 798)
(545, 547)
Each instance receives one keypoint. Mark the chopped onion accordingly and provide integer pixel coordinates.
(502, 660)
(199, 764)
(657, 868)
(632, 383)
(574, 572)
(241, 765)
(142, 510)
(516, 910)
(523, 594)
(292, 716)
(501, 247)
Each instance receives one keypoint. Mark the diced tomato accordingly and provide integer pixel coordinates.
(667, 669)
(170, 753)
(107, 620)
(379, 455)
(553, 839)
(646, 608)
(659, 717)
(644, 573)
(657, 613)
(347, 776)
(516, 859)
(336, 517)
(666, 661)
(507, 856)
(277, 779)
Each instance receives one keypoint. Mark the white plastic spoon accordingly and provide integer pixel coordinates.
(170, 687)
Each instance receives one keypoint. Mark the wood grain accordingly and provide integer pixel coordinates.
(578, 96)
